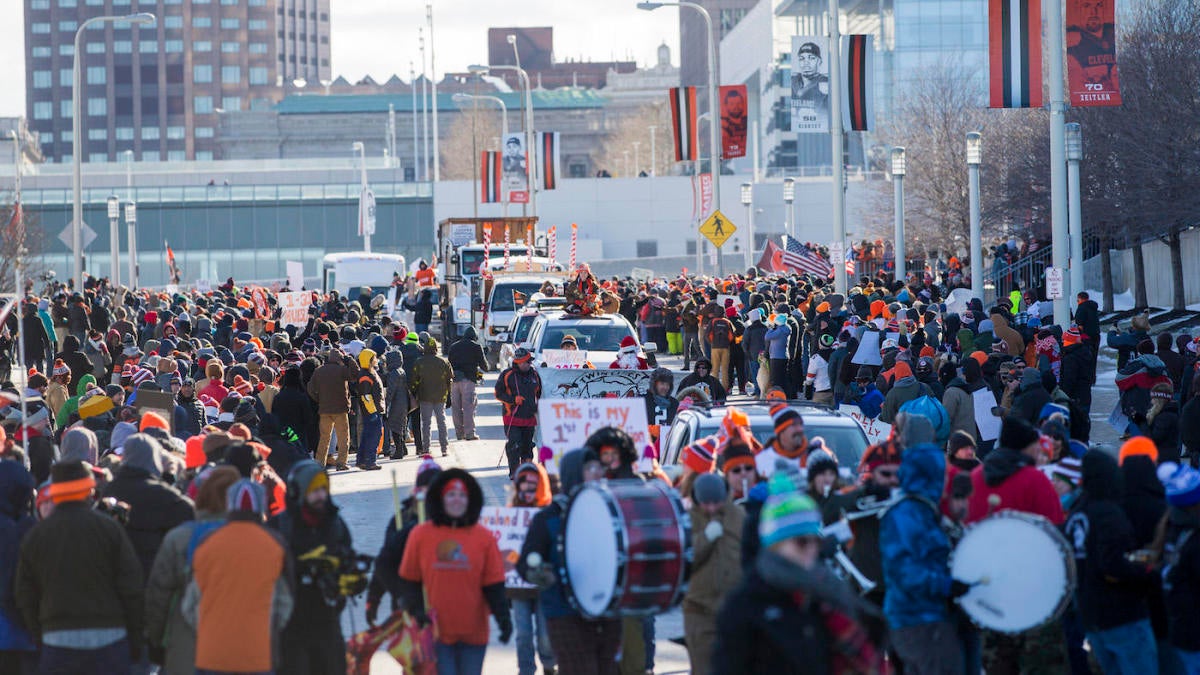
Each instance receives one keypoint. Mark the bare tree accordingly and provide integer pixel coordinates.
(635, 128)
(476, 130)
(25, 234)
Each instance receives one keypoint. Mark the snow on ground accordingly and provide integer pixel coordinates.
(1122, 302)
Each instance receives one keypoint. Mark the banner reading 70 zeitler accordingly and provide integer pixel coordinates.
(1092, 53)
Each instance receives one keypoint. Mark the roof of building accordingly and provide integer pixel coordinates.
(317, 104)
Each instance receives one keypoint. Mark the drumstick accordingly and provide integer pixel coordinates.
(993, 502)
(534, 559)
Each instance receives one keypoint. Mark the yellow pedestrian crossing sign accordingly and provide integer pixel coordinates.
(718, 229)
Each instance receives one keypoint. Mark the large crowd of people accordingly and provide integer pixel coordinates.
(166, 502)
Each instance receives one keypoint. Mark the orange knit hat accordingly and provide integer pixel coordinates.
(153, 420)
(1139, 445)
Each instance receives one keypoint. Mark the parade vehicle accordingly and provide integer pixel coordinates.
(507, 294)
(347, 273)
(841, 433)
(599, 335)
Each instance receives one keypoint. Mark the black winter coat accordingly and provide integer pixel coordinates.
(38, 343)
(294, 409)
(1181, 580)
(154, 508)
(1189, 426)
(1164, 431)
(195, 417)
(1087, 315)
(1078, 374)
(466, 357)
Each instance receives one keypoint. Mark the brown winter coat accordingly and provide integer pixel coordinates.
(717, 565)
(328, 385)
(1001, 329)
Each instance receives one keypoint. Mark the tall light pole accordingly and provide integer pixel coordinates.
(1074, 139)
(412, 74)
(424, 104)
(789, 196)
(748, 202)
(114, 239)
(714, 84)
(653, 154)
(974, 159)
(526, 121)
(637, 158)
(131, 224)
(835, 132)
(77, 137)
(437, 170)
(1060, 247)
(462, 98)
(898, 170)
(362, 172)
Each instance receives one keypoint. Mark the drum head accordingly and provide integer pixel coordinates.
(590, 551)
(1020, 569)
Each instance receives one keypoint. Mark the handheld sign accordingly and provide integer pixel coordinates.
(567, 423)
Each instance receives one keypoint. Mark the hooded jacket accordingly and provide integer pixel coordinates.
(513, 383)
(294, 409)
(457, 564)
(915, 551)
(397, 399)
(16, 494)
(1111, 590)
(431, 378)
(1181, 579)
(959, 402)
(716, 563)
(466, 356)
(1001, 329)
(905, 389)
(154, 507)
(1012, 477)
(75, 359)
(328, 385)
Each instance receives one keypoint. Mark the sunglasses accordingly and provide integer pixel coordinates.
(741, 468)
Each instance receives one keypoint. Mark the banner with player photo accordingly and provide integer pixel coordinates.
(515, 168)
(1092, 53)
(733, 121)
(810, 84)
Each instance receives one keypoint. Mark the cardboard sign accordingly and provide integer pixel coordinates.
(509, 525)
(294, 308)
(564, 358)
(876, 431)
(642, 273)
(161, 402)
(295, 274)
(567, 423)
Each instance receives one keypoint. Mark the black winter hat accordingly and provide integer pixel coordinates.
(1017, 434)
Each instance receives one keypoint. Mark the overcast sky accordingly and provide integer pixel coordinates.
(379, 37)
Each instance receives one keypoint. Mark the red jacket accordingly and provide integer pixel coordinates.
(1027, 490)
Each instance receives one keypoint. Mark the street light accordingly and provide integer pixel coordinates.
(1074, 141)
(114, 238)
(364, 217)
(464, 98)
(974, 159)
(527, 121)
(898, 170)
(748, 202)
(131, 223)
(789, 196)
(140, 18)
(714, 83)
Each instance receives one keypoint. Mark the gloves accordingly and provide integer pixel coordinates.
(713, 530)
(504, 621)
(519, 399)
(958, 588)
(372, 612)
(541, 576)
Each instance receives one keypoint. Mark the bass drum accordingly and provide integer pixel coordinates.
(1021, 570)
(625, 549)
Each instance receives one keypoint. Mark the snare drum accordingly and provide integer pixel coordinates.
(1021, 570)
(625, 549)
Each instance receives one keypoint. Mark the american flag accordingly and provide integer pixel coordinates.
(802, 260)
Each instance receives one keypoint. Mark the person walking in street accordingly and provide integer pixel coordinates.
(328, 388)
(716, 565)
(452, 566)
(531, 489)
(370, 397)
(431, 382)
(18, 651)
(719, 336)
(79, 583)
(468, 364)
(398, 403)
(519, 388)
(39, 345)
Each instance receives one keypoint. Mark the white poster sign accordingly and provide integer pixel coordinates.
(294, 308)
(1054, 283)
(564, 358)
(509, 525)
(567, 423)
(462, 234)
(295, 274)
(985, 419)
(876, 431)
(366, 212)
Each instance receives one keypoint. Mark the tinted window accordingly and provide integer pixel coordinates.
(504, 296)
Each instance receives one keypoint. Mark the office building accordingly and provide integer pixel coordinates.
(153, 92)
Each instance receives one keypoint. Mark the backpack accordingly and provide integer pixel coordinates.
(721, 332)
(933, 410)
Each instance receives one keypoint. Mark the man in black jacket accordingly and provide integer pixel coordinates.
(1112, 589)
(38, 343)
(75, 359)
(468, 363)
(1087, 316)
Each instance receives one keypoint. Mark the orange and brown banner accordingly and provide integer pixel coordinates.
(548, 159)
(489, 177)
(683, 120)
(1015, 53)
(733, 121)
(1092, 53)
(858, 107)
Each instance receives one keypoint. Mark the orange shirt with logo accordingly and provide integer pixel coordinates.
(426, 277)
(454, 564)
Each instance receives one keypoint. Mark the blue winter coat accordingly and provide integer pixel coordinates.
(777, 342)
(16, 491)
(915, 550)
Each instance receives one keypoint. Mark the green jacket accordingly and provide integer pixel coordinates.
(431, 378)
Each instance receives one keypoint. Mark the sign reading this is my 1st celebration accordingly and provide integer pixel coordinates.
(567, 423)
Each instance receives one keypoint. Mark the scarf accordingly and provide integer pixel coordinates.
(851, 649)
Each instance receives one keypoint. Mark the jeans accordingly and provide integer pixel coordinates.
(1190, 661)
(428, 412)
(111, 659)
(462, 405)
(369, 438)
(519, 447)
(340, 423)
(929, 649)
(525, 611)
(1126, 649)
(648, 640)
(459, 658)
(691, 348)
(754, 366)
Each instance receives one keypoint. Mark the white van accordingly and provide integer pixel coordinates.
(347, 273)
(510, 293)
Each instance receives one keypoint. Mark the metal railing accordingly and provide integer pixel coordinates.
(1026, 272)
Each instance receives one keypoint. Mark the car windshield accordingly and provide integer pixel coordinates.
(509, 297)
(600, 337)
(473, 260)
(522, 330)
(847, 442)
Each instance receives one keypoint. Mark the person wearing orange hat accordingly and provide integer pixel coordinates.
(77, 575)
(905, 388)
(519, 388)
